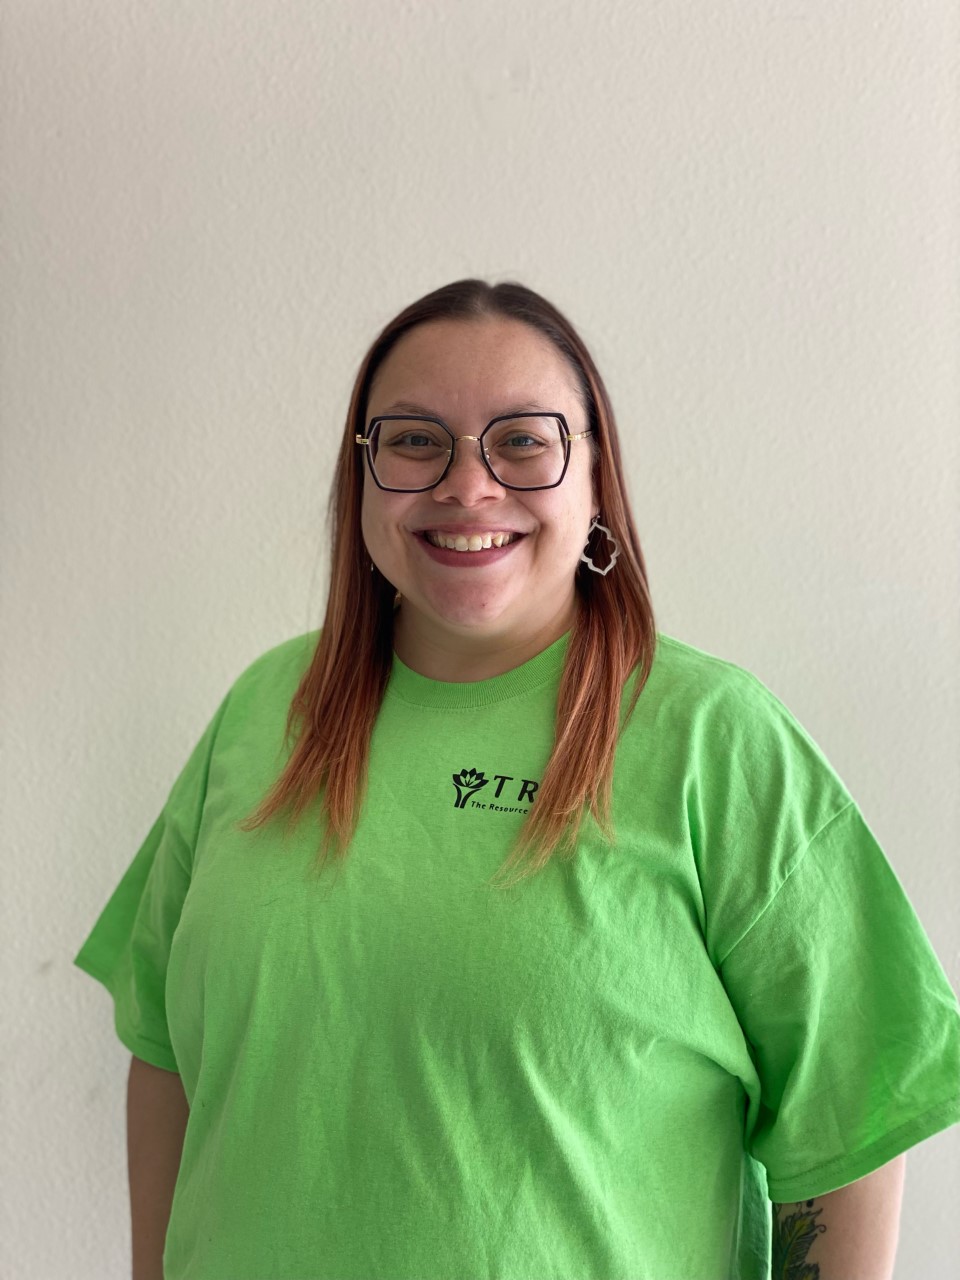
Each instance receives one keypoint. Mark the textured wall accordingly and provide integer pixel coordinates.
(750, 209)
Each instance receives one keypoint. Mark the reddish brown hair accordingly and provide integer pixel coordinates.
(332, 714)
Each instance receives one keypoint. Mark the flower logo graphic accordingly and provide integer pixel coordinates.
(467, 782)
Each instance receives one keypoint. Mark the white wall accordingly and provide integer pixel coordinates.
(749, 209)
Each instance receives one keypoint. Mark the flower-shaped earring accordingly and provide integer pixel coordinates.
(614, 553)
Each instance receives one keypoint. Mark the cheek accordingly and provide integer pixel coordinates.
(380, 515)
(582, 506)
(372, 524)
(372, 513)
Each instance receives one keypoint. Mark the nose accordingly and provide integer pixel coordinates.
(468, 481)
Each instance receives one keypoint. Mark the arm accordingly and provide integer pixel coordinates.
(157, 1113)
(849, 1234)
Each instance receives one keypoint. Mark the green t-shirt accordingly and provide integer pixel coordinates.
(398, 1072)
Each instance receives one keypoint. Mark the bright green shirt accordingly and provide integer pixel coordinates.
(397, 1072)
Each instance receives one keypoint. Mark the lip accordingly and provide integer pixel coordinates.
(465, 529)
(465, 559)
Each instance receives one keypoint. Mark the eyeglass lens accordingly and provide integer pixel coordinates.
(411, 453)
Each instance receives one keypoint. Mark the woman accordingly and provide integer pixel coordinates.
(573, 952)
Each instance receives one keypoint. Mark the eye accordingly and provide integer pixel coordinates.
(413, 439)
(521, 444)
(523, 438)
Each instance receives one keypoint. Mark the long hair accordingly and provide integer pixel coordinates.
(332, 714)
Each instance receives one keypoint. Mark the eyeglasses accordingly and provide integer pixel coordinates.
(523, 451)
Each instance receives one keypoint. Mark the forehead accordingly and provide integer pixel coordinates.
(485, 365)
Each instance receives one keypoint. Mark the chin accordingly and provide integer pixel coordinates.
(468, 615)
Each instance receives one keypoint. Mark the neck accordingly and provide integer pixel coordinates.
(467, 657)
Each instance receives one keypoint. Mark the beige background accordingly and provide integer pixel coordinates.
(749, 209)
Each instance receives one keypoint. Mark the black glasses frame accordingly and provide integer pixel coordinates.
(565, 433)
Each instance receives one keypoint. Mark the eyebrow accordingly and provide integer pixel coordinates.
(408, 406)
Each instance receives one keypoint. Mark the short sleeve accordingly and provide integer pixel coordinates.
(850, 1020)
(128, 948)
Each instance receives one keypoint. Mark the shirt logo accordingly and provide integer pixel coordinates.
(469, 781)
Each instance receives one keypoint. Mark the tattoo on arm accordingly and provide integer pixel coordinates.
(793, 1234)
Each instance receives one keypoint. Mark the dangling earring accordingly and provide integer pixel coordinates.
(614, 553)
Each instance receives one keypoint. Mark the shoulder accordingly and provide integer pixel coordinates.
(291, 656)
(706, 688)
(271, 679)
(685, 664)
(727, 732)
(699, 684)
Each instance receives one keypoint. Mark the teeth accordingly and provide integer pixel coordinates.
(471, 542)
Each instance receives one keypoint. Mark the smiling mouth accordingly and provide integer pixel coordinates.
(469, 542)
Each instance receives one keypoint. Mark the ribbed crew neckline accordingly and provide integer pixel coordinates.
(456, 695)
